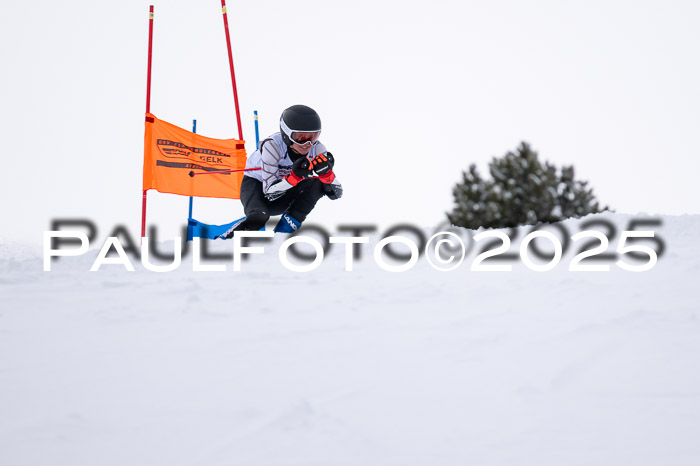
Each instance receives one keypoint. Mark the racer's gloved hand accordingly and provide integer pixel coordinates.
(333, 191)
(322, 165)
(301, 170)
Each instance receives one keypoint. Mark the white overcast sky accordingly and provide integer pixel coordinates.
(410, 93)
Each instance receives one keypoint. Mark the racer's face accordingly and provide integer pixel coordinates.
(303, 150)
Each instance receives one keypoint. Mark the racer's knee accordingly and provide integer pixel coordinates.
(255, 220)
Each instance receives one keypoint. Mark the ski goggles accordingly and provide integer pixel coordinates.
(304, 139)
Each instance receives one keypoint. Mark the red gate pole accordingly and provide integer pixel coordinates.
(233, 74)
(148, 108)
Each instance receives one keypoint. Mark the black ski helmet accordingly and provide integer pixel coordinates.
(298, 118)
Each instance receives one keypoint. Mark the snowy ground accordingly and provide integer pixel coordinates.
(271, 367)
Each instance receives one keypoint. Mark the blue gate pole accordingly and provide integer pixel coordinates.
(194, 130)
(257, 133)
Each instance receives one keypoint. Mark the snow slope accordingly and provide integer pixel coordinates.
(271, 367)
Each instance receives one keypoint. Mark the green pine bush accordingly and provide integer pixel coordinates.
(522, 191)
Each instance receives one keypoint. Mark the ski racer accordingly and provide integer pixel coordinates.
(296, 170)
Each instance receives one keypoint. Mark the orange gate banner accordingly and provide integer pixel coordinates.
(171, 153)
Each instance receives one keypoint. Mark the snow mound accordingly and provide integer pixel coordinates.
(268, 366)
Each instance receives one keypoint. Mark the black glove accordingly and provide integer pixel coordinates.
(333, 191)
(322, 164)
(300, 171)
